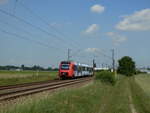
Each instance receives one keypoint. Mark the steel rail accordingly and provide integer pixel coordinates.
(25, 84)
(29, 91)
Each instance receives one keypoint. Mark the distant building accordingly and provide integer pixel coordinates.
(145, 71)
(99, 68)
(15, 69)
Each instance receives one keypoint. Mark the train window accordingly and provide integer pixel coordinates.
(74, 67)
(65, 67)
(90, 69)
(65, 62)
(83, 68)
(80, 68)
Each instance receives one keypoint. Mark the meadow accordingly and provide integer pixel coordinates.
(17, 77)
(144, 81)
(141, 92)
(128, 95)
(95, 97)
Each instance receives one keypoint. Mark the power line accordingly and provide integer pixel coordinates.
(15, 6)
(76, 53)
(26, 32)
(45, 22)
(28, 23)
(109, 57)
(28, 39)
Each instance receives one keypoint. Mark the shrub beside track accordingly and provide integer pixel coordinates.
(106, 76)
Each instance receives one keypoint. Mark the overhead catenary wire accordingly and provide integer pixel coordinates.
(38, 28)
(103, 54)
(34, 26)
(49, 25)
(15, 6)
(17, 28)
(28, 23)
(28, 39)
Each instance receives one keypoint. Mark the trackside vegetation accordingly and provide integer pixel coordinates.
(96, 97)
(140, 93)
(106, 76)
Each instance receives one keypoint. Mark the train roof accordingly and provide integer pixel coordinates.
(76, 63)
(80, 64)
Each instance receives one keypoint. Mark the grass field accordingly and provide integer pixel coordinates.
(141, 92)
(96, 97)
(127, 96)
(144, 81)
(16, 77)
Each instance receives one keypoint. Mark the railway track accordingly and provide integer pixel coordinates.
(25, 84)
(15, 91)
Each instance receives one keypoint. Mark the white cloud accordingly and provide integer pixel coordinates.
(92, 29)
(116, 38)
(91, 50)
(138, 21)
(3, 1)
(97, 8)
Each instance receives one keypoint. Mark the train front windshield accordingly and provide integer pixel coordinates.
(65, 66)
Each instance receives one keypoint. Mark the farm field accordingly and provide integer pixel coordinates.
(17, 77)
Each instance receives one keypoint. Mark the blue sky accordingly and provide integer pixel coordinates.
(90, 28)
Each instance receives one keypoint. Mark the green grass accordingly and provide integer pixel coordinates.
(140, 93)
(116, 101)
(144, 81)
(17, 77)
(96, 97)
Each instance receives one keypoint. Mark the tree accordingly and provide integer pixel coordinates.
(22, 67)
(126, 66)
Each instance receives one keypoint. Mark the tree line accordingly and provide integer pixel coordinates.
(23, 67)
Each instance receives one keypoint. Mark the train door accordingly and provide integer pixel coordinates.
(75, 70)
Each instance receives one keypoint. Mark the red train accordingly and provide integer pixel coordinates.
(70, 69)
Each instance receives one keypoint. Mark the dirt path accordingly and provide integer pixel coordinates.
(118, 99)
(133, 110)
(131, 105)
(115, 98)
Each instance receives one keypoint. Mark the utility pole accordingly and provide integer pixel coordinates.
(113, 60)
(94, 65)
(69, 54)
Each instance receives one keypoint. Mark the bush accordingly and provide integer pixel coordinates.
(106, 76)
